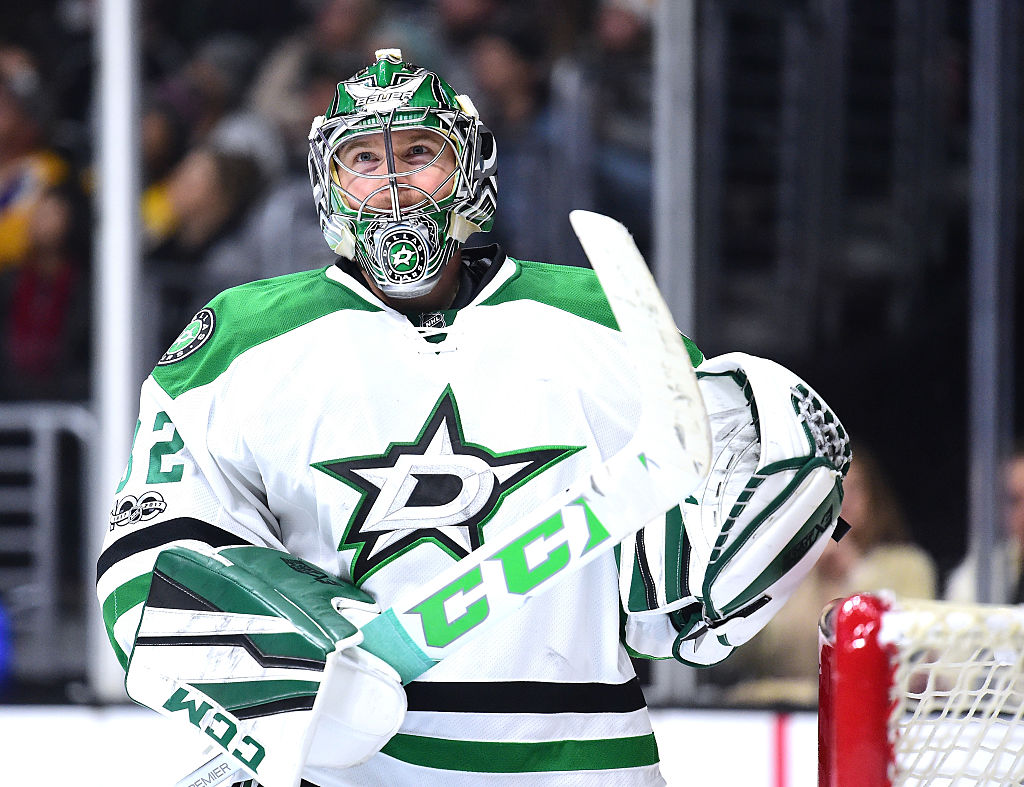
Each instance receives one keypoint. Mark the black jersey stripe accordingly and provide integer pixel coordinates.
(684, 573)
(180, 529)
(525, 697)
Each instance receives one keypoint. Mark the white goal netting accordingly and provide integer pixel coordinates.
(957, 692)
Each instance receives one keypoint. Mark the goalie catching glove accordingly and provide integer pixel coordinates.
(763, 516)
(260, 650)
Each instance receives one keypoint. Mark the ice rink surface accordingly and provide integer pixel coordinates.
(127, 745)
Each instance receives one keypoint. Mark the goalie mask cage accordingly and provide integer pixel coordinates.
(920, 693)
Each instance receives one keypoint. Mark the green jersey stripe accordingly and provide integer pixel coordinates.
(506, 757)
(573, 290)
(676, 556)
(130, 594)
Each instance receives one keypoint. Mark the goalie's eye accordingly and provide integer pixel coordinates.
(359, 159)
(419, 153)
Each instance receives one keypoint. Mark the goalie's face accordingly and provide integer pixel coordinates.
(395, 173)
(403, 172)
(398, 186)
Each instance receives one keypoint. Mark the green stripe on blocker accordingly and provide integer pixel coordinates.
(492, 757)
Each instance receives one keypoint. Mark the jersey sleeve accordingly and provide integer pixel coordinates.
(653, 585)
(176, 490)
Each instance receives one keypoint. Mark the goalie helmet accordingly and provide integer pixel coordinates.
(400, 233)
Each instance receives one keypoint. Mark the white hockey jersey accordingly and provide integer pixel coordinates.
(302, 413)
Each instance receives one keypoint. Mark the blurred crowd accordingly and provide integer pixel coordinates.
(228, 93)
(229, 90)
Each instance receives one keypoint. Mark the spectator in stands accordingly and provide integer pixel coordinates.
(163, 144)
(209, 195)
(780, 665)
(337, 32)
(507, 65)
(208, 192)
(281, 233)
(44, 305)
(884, 554)
(1005, 562)
(212, 83)
(209, 93)
(28, 167)
(620, 68)
(440, 34)
(195, 217)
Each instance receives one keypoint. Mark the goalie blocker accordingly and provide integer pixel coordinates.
(757, 524)
(259, 650)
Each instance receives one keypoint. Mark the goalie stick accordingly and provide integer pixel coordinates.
(664, 460)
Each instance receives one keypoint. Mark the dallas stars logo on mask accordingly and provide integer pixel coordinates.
(402, 250)
(403, 257)
(439, 489)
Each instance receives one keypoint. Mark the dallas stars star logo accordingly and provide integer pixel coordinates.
(439, 489)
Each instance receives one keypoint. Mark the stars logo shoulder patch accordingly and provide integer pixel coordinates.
(439, 488)
(194, 336)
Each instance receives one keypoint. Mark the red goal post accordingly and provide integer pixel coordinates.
(920, 693)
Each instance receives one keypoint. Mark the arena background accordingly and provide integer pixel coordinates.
(830, 183)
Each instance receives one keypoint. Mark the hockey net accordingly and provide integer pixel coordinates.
(920, 693)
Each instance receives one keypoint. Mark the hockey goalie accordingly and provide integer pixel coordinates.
(314, 446)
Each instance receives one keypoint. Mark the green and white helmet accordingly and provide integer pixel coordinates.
(400, 233)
